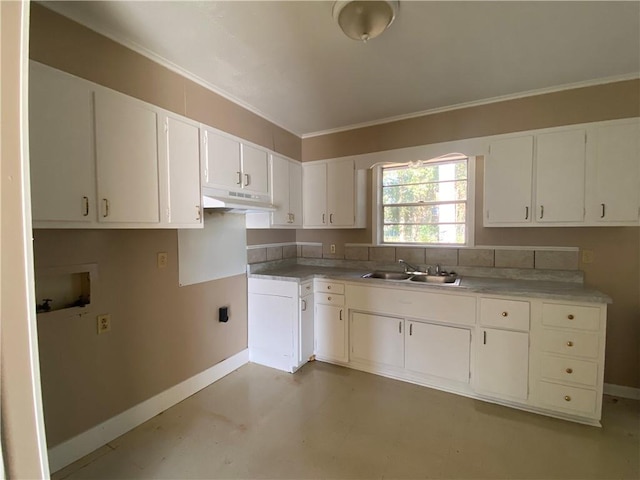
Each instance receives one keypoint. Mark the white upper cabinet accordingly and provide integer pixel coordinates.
(584, 176)
(332, 195)
(507, 181)
(314, 190)
(221, 161)
(126, 159)
(227, 163)
(615, 174)
(61, 147)
(560, 167)
(181, 153)
(341, 193)
(255, 169)
(286, 178)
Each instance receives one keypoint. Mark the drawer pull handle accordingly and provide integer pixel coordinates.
(329, 298)
(504, 314)
(340, 314)
(329, 287)
(569, 370)
(569, 343)
(567, 398)
(570, 317)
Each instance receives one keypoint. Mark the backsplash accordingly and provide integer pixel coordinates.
(543, 259)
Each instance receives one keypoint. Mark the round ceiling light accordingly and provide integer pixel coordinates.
(364, 20)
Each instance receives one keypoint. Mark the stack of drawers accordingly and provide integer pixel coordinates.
(570, 357)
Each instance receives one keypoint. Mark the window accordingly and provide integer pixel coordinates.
(426, 202)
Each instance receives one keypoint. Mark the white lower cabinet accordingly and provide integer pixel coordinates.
(377, 339)
(438, 350)
(330, 321)
(330, 332)
(280, 325)
(502, 364)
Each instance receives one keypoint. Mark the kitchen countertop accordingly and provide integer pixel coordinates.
(569, 291)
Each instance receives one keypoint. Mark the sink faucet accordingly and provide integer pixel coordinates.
(408, 267)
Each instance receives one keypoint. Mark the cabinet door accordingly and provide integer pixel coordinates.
(306, 328)
(255, 169)
(340, 193)
(377, 339)
(221, 162)
(507, 181)
(502, 363)
(438, 350)
(280, 188)
(617, 173)
(271, 330)
(61, 146)
(295, 193)
(183, 162)
(126, 159)
(314, 190)
(560, 165)
(330, 332)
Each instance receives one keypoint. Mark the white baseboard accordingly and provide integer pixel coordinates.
(77, 447)
(622, 391)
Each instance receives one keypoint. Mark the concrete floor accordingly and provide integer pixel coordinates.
(331, 422)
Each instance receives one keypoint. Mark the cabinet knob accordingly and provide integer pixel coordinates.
(570, 317)
(569, 343)
(569, 370)
(328, 287)
(567, 398)
(329, 298)
(504, 314)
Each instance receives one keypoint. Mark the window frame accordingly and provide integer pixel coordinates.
(377, 204)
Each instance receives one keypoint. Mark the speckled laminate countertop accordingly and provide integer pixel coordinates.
(568, 291)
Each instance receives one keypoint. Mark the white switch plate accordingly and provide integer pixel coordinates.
(104, 323)
(587, 256)
(333, 248)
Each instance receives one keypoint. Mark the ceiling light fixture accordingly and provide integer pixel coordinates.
(364, 20)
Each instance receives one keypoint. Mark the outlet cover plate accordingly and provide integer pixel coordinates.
(104, 323)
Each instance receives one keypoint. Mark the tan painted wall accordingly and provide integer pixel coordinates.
(71, 47)
(161, 333)
(580, 105)
(615, 269)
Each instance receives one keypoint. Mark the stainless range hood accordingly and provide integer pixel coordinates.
(235, 202)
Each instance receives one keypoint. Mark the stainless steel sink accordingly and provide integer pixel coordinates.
(387, 275)
(435, 278)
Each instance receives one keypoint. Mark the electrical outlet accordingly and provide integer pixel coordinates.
(587, 256)
(163, 259)
(333, 248)
(104, 324)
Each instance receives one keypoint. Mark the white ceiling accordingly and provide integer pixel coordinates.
(289, 61)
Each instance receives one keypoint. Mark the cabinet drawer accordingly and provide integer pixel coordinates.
(580, 344)
(569, 370)
(329, 299)
(306, 288)
(510, 314)
(329, 287)
(577, 400)
(570, 316)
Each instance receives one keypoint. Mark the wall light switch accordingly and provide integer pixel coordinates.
(163, 259)
(333, 248)
(104, 323)
(587, 256)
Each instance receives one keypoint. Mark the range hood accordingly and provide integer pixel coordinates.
(235, 202)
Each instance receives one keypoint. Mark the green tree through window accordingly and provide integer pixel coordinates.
(425, 203)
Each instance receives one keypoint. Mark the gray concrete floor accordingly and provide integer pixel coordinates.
(331, 422)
